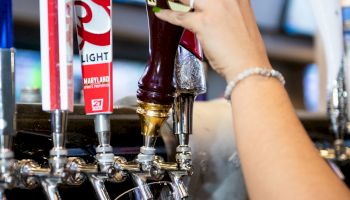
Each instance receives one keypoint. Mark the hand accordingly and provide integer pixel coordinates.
(227, 31)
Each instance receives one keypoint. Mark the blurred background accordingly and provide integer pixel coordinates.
(287, 27)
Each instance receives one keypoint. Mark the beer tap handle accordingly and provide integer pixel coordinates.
(56, 28)
(94, 33)
(56, 34)
(190, 81)
(156, 89)
(156, 84)
(7, 97)
(189, 69)
(95, 48)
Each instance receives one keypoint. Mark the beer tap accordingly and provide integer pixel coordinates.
(190, 82)
(57, 94)
(338, 99)
(337, 110)
(156, 91)
(7, 99)
(94, 30)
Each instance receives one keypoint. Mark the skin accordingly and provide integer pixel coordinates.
(279, 161)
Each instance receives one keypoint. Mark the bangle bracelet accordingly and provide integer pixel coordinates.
(249, 72)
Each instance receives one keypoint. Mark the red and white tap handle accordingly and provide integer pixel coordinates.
(56, 29)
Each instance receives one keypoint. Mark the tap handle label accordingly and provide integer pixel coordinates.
(94, 31)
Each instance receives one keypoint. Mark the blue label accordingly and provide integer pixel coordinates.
(6, 27)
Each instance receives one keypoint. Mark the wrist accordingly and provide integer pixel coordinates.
(230, 73)
(249, 72)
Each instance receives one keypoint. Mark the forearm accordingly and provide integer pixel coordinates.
(279, 160)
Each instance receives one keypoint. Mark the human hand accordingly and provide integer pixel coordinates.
(227, 31)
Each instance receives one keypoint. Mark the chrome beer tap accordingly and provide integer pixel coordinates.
(338, 99)
(155, 93)
(190, 82)
(104, 157)
(7, 98)
(7, 117)
(58, 155)
(56, 26)
(337, 111)
(95, 17)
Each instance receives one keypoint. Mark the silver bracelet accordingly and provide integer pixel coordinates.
(249, 72)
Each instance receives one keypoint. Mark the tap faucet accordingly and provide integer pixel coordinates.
(7, 117)
(7, 98)
(57, 87)
(337, 110)
(190, 81)
(156, 92)
(98, 95)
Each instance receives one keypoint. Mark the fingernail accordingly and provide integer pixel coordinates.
(156, 9)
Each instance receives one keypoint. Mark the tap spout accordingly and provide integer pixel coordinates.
(140, 179)
(337, 111)
(2, 195)
(181, 188)
(50, 188)
(99, 186)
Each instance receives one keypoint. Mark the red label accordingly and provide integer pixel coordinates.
(97, 84)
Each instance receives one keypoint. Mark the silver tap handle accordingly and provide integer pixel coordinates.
(189, 73)
(100, 188)
(337, 109)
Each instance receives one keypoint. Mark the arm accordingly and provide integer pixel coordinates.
(279, 161)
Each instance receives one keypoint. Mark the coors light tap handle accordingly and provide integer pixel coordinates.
(94, 30)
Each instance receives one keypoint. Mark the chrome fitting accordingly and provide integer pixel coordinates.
(103, 131)
(7, 173)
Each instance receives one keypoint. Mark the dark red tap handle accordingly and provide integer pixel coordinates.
(191, 43)
(157, 85)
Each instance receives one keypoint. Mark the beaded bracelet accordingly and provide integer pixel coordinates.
(249, 72)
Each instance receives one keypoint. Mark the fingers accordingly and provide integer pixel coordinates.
(187, 20)
(196, 4)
